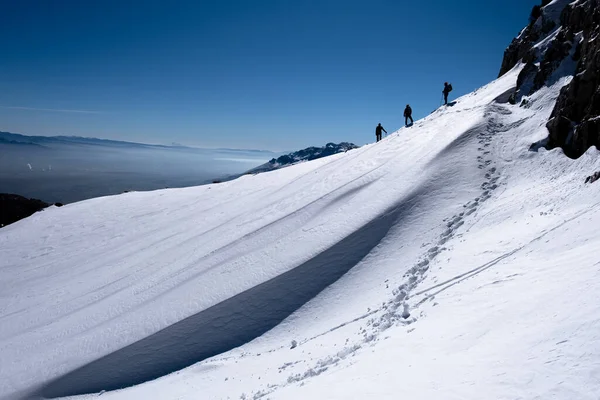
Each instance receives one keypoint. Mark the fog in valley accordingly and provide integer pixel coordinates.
(68, 169)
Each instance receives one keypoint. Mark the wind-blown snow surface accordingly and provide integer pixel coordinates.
(468, 268)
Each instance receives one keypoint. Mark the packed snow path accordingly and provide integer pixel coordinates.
(436, 262)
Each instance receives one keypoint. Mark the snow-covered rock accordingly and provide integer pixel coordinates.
(562, 40)
(308, 154)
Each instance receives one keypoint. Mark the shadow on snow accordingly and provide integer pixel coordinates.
(231, 323)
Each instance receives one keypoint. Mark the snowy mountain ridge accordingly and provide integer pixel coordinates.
(307, 154)
(446, 261)
(15, 138)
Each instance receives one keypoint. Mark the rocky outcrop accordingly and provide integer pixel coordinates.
(575, 120)
(593, 178)
(310, 153)
(521, 48)
(545, 47)
(562, 39)
(14, 207)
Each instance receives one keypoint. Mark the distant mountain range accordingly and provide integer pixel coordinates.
(67, 169)
(6, 141)
(310, 153)
(7, 138)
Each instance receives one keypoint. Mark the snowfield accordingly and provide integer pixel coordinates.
(447, 261)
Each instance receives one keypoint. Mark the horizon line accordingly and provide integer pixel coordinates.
(52, 110)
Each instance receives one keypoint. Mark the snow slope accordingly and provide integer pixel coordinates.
(446, 261)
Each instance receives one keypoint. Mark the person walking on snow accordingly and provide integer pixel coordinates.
(447, 89)
(378, 131)
(407, 115)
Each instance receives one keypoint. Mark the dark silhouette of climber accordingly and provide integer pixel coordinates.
(407, 115)
(447, 89)
(378, 131)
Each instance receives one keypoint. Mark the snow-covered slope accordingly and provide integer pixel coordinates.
(446, 261)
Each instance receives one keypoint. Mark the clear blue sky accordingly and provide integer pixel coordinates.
(261, 74)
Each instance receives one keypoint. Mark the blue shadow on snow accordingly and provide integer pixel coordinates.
(229, 324)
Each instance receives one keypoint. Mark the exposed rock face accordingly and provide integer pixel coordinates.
(521, 48)
(14, 207)
(593, 178)
(310, 153)
(562, 39)
(575, 120)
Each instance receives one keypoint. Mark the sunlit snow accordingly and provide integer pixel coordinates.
(446, 262)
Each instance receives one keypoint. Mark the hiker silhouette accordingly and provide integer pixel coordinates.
(447, 89)
(408, 115)
(378, 130)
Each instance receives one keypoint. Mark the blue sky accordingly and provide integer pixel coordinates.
(262, 74)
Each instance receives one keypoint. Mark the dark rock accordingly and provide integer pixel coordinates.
(560, 129)
(555, 54)
(536, 12)
(579, 102)
(574, 122)
(529, 71)
(14, 207)
(518, 49)
(521, 48)
(540, 25)
(593, 178)
(525, 81)
(586, 135)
